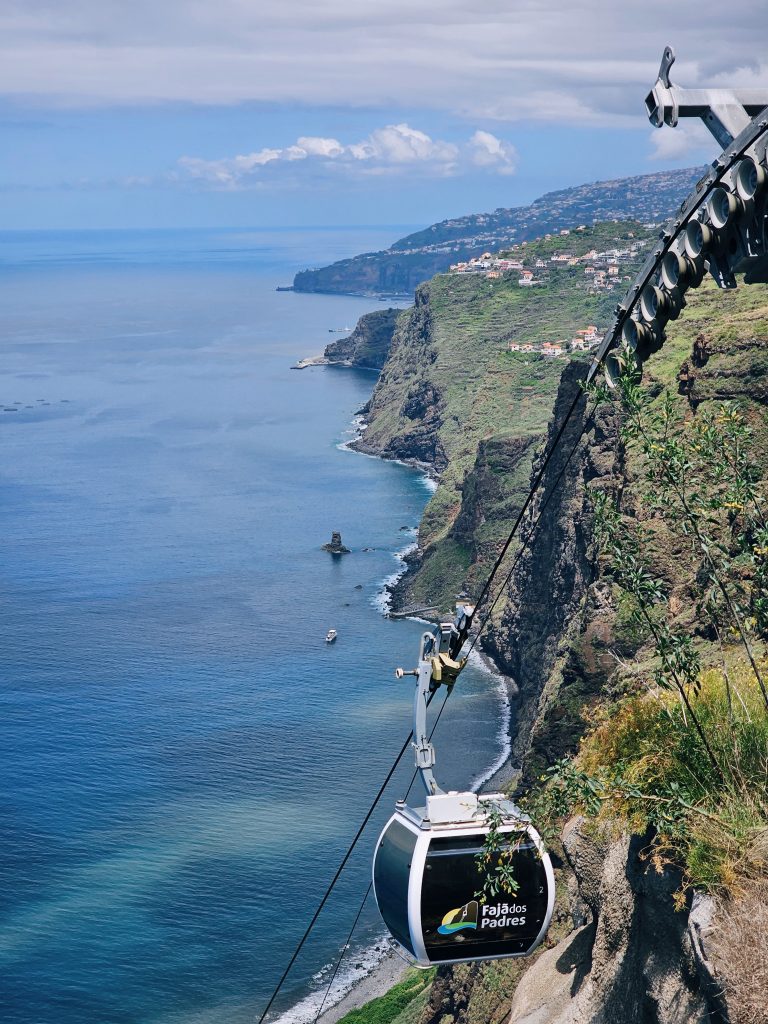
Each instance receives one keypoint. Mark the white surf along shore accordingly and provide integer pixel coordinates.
(366, 974)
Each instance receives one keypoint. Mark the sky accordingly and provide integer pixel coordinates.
(194, 113)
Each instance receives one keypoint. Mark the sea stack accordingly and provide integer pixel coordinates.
(336, 547)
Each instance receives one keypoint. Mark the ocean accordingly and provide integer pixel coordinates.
(185, 759)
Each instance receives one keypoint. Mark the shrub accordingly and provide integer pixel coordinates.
(641, 766)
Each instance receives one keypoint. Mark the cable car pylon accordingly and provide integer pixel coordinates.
(432, 862)
(720, 230)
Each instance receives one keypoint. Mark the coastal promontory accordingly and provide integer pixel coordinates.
(367, 346)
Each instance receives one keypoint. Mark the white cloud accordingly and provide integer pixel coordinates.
(400, 144)
(588, 62)
(310, 145)
(393, 149)
(485, 150)
(690, 140)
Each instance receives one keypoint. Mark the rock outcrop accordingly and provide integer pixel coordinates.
(632, 962)
(335, 547)
(404, 413)
(534, 638)
(368, 344)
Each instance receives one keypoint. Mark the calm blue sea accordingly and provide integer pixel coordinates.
(184, 759)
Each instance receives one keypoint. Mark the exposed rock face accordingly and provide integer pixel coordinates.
(368, 345)
(631, 958)
(550, 584)
(484, 493)
(404, 413)
(633, 963)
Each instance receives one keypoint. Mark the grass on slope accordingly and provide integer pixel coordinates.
(401, 1005)
(643, 764)
(651, 771)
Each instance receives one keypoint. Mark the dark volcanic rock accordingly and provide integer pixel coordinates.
(406, 395)
(551, 581)
(483, 489)
(368, 345)
(335, 547)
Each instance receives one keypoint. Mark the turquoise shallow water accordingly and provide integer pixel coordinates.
(184, 758)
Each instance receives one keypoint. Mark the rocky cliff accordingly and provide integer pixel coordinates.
(368, 344)
(622, 955)
(452, 396)
(455, 396)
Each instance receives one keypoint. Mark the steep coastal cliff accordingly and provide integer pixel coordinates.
(459, 394)
(453, 396)
(368, 344)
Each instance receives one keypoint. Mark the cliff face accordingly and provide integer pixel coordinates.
(625, 957)
(632, 960)
(452, 396)
(368, 344)
(533, 639)
(632, 956)
(404, 413)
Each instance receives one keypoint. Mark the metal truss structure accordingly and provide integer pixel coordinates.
(721, 229)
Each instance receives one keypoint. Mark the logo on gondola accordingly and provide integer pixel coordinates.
(462, 917)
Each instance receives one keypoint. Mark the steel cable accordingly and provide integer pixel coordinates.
(534, 487)
(653, 264)
(340, 868)
(532, 533)
(345, 947)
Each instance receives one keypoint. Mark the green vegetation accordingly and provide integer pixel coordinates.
(643, 708)
(495, 859)
(402, 1004)
(453, 393)
(642, 767)
(684, 756)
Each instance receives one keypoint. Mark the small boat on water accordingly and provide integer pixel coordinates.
(330, 636)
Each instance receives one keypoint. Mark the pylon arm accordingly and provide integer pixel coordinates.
(725, 112)
(423, 749)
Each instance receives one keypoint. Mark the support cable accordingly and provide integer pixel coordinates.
(531, 494)
(339, 870)
(343, 952)
(532, 533)
(720, 167)
(734, 152)
(345, 947)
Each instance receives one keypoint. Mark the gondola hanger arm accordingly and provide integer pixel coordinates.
(438, 666)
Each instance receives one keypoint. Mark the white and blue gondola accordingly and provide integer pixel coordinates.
(431, 863)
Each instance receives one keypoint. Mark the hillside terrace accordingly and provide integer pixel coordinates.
(582, 341)
(602, 269)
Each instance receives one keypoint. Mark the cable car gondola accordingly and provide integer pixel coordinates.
(427, 877)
